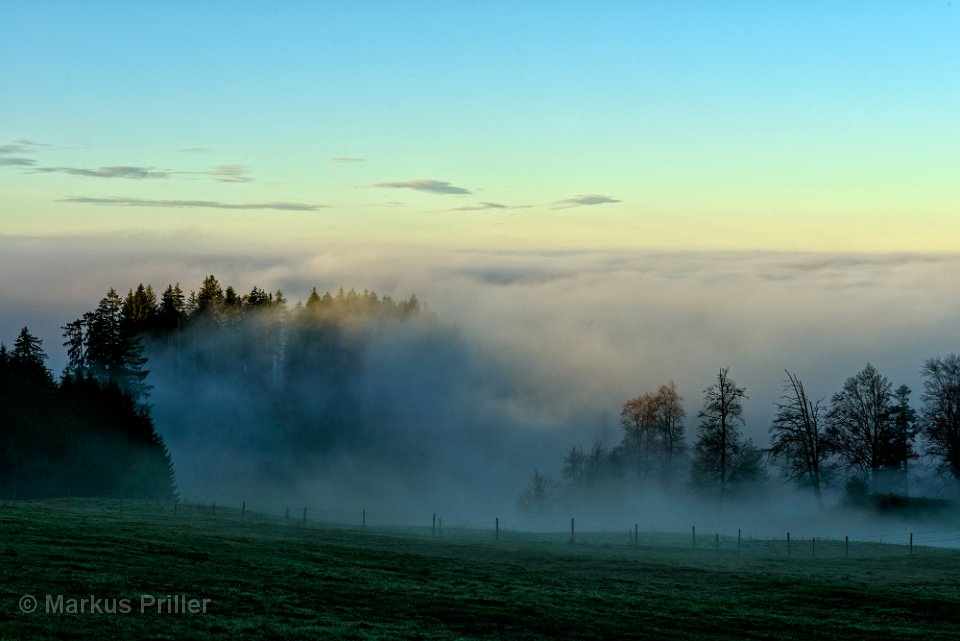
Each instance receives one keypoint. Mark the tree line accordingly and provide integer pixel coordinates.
(91, 432)
(246, 361)
(865, 436)
(109, 343)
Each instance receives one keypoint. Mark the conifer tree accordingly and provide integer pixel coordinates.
(28, 354)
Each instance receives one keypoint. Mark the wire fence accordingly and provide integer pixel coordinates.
(596, 533)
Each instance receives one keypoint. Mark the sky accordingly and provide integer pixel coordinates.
(599, 196)
(815, 126)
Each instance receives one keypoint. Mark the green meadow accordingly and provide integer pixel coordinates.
(264, 578)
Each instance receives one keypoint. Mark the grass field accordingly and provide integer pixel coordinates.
(269, 580)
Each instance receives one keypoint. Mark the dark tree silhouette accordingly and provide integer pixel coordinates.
(77, 437)
(76, 345)
(940, 416)
(906, 427)
(721, 457)
(798, 437)
(28, 353)
(208, 301)
(171, 312)
(139, 311)
(106, 347)
(861, 425)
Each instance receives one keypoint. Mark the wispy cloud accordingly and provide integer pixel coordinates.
(195, 150)
(31, 143)
(179, 204)
(480, 207)
(220, 173)
(17, 161)
(583, 200)
(21, 148)
(229, 174)
(346, 159)
(427, 185)
(136, 173)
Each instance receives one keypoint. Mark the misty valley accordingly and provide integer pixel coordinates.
(192, 423)
(365, 399)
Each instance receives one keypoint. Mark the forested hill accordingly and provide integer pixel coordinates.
(224, 370)
(252, 377)
(78, 437)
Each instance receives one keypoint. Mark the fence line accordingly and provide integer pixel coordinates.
(595, 532)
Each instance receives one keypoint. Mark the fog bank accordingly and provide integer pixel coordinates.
(531, 352)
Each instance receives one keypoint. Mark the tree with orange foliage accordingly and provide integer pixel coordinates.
(653, 431)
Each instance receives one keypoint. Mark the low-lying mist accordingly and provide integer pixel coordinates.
(520, 356)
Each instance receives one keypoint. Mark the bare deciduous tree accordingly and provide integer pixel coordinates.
(798, 438)
(940, 416)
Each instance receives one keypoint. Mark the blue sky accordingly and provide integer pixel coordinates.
(686, 125)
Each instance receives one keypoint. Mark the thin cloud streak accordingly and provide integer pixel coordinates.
(21, 147)
(346, 159)
(427, 185)
(230, 174)
(124, 171)
(584, 200)
(480, 207)
(17, 162)
(220, 173)
(14, 149)
(180, 204)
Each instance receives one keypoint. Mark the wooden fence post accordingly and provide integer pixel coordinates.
(433, 528)
(572, 535)
(788, 544)
(846, 547)
(304, 516)
(363, 518)
(243, 511)
(694, 530)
